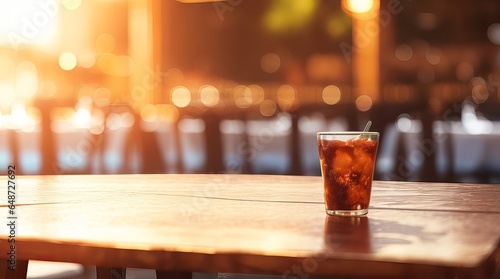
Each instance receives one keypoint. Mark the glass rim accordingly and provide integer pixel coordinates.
(347, 133)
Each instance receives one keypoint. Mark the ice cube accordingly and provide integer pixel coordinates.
(342, 161)
(357, 195)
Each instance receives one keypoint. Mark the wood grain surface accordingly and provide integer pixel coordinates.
(259, 224)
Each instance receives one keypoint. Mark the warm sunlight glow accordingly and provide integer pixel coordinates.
(115, 65)
(22, 118)
(82, 117)
(7, 95)
(26, 80)
(19, 111)
(358, 6)
(26, 22)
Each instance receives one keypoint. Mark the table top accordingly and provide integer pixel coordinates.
(263, 224)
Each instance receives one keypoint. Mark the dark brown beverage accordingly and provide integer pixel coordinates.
(347, 169)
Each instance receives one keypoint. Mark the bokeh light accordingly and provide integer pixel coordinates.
(284, 16)
(358, 6)
(209, 95)
(331, 94)
(286, 96)
(286, 92)
(167, 113)
(267, 108)
(181, 96)
(149, 117)
(152, 115)
(25, 119)
(270, 63)
(119, 120)
(494, 33)
(476, 81)
(242, 96)
(404, 123)
(101, 97)
(87, 60)
(480, 93)
(364, 103)
(258, 93)
(433, 56)
(82, 117)
(67, 61)
(148, 113)
(71, 5)
(404, 52)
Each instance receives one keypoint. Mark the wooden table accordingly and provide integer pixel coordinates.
(259, 224)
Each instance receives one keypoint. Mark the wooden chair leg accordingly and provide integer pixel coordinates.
(19, 271)
(111, 273)
(164, 274)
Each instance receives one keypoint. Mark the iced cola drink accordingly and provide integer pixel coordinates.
(347, 163)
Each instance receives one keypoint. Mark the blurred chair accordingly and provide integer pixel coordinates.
(118, 151)
(469, 143)
(404, 127)
(235, 143)
(269, 144)
(56, 270)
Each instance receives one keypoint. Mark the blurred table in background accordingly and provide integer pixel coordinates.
(116, 139)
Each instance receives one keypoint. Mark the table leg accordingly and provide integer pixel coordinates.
(19, 273)
(111, 273)
(164, 274)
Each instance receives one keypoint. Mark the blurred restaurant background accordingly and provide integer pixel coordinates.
(243, 86)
